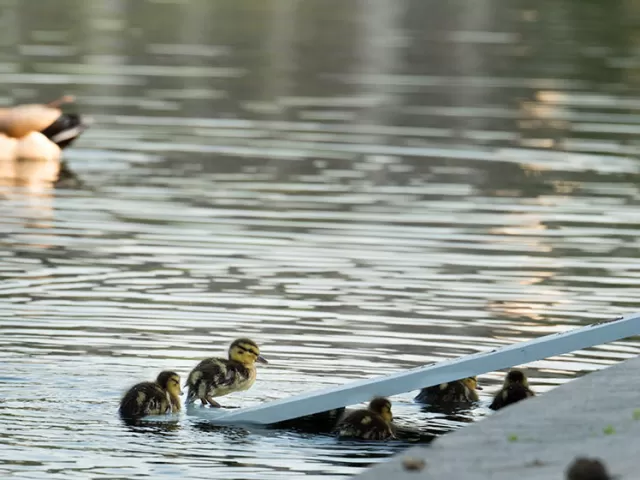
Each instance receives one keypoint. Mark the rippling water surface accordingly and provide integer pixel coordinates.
(359, 186)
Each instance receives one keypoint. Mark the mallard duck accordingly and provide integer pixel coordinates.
(587, 469)
(372, 423)
(153, 398)
(61, 129)
(458, 391)
(514, 389)
(215, 377)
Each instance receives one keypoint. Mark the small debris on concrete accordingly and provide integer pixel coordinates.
(413, 464)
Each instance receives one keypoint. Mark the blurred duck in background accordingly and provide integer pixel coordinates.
(32, 138)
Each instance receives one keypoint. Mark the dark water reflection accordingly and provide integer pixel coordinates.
(359, 186)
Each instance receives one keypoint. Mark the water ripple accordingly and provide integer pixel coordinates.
(357, 190)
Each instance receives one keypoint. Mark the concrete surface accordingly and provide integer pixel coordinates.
(597, 415)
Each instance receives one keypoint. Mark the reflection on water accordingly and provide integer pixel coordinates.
(359, 186)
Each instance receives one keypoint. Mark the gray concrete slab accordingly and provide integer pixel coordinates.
(597, 415)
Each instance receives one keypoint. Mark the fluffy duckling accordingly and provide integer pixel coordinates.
(587, 469)
(61, 129)
(372, 423)
(215, 377)
(514, 389)
(459, 391)
(153, 398)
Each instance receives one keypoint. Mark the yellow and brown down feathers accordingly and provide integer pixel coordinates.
(152, 398)
(373, 423)
(459, 391)
(514, 389)
(215, 377)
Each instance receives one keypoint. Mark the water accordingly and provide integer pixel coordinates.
(359, 186)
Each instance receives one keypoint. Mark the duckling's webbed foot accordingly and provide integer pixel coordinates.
(213, 403)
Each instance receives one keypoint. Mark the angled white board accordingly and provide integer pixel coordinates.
(432, 374)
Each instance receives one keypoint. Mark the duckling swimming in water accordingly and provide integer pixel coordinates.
(372, 423)
(153, 398)
(215, 377)
(459, 391)
(514, 389)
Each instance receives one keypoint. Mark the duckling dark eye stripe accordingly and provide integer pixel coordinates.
(248, 349)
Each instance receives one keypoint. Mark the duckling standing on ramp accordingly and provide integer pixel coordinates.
(153, 398)
(215, 377)
(514, 389)
(459, 391)
(372, 423)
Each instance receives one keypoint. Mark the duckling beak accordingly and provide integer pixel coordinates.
(261, 359)
(478, 387)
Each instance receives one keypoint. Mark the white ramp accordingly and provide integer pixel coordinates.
(432, 374)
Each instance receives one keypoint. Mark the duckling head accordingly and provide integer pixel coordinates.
(170, 382)
(382, 407)
(471, 383)
(246, 352)
(516, 377)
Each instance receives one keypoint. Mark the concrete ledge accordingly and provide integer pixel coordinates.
(597, 415)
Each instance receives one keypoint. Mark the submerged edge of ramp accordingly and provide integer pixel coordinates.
(435, 373)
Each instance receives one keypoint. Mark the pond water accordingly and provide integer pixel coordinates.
(360, 187)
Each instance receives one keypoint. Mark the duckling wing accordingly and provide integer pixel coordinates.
(215, 377)
(365, 425)
(145, 398)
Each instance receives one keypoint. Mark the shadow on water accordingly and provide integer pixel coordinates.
(232, 434)
(146, 426)
(361, 187)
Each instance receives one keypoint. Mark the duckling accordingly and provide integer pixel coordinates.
(61, 129)
(372, 423)
(514, 389)
(587, 469)
(153, 398)
(215, 377)
(459, 391)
